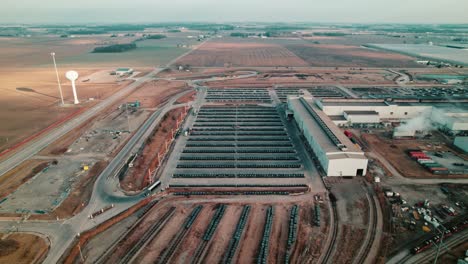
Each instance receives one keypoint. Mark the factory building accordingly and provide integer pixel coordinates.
(387, 111)
(461, 143)
(336, 153)
(369, 112)
(361, 117)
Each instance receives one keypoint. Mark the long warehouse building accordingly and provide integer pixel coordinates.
(336, 153)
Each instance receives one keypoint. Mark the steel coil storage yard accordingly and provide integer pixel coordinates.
(238, 95)
(244, 142)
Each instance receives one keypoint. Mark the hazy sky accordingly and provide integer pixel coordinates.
(135, 11)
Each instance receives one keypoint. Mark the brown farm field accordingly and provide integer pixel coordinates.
(153, 93)
(22, 248)
(30, 99)
(221, 54)
(332, 55)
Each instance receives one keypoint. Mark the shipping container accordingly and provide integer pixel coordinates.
(425, 161)
(432, 165)
(438, 168)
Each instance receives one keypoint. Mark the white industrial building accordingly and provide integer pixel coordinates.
(336, 153)
(361, 117)
(349, 112)
(387, 111)
(455, 123)
(461, 143)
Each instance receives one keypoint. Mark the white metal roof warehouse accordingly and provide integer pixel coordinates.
(336, 153)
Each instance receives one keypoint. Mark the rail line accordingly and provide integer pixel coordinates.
(169, 252)
(106, 254)
(427, 257)
(364, 252)
(215, 220)
(334, 219)
(199, 252)
(151, 233)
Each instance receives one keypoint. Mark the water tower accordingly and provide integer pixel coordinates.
(72, 76)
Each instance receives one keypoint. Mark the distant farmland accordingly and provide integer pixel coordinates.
(428, 51)
(318, 55)
(220, 54)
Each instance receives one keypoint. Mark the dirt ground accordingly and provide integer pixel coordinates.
(186, 98)
(221, 54)
(322, 55)
(11, 180)
(400, 160)
(349, 242)
(153, 93)
(353, 215)
(310, 238)
(305, 78)
(137, 176)
(22, 248)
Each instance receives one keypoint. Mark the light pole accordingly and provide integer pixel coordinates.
(58, 79)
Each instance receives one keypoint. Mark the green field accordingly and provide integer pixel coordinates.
(149, 53)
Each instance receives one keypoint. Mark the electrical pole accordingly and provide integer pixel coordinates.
(58, 78)
(128, 118)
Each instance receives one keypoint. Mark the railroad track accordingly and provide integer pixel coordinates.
(169, 252)
(429, 256)
(209, 233)
(197, 256)
(373, 230)
(328, 253)
(104, 256)
(149, 234)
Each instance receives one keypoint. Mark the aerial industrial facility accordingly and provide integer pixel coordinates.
(253, 142)
(336, 153)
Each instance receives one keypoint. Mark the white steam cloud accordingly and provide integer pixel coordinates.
(428, 120)
(420, 123)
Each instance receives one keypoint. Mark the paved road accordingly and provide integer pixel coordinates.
(402, 79)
